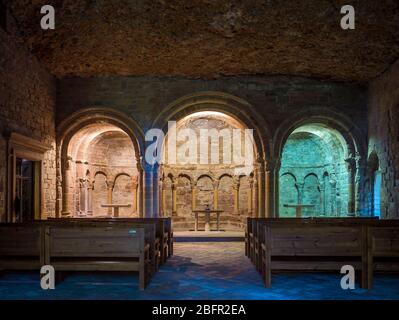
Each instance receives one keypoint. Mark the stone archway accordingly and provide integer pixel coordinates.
(99, 144)
(339, 140)
(232, 112)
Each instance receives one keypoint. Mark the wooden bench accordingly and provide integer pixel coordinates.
(309, 245)
(313, 246)
(21, 246)
(85, 247)
(383, 243)
(150, 232)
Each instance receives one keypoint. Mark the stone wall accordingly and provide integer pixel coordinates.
(27, 103)
(276, 98)
(383, 136)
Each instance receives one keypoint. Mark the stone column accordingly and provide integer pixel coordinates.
(360, 172)
(174, 198)
(161, 197)
(155, 192)
(67, 197)
(271, 189)
(250, 196)
(148, 189)
(193, 196)
(261, 188)
(323, 198)
(351, 168)
(83, 196)
(255, 190)
(216, 195)
(110, 189)
(89, 206)
(59, 204)
(276, 184)
(236, 194)
(135, 187)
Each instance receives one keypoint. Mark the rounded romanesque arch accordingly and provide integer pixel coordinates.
(99, 140)
(334, 153)
(225, 103)
(219, 110)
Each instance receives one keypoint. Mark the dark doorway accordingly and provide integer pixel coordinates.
(25, 190)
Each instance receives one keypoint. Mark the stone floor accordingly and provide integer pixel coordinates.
(198, 271)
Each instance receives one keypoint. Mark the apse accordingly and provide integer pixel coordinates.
(313, 178)
(209, 179)
(102, 173)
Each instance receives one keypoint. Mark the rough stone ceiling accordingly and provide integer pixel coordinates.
(209, 38)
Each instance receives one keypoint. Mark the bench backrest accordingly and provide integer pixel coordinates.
(95, 241)
(385, 239)
(150, 228)
(315, 240)
(23, 239)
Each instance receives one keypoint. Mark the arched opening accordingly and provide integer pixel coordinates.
(212, 166)
(314, 177)
(100, 172)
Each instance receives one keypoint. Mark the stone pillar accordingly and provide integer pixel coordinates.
(59, 204)
(174, 198)
(155, 192)
(323, 198)
(90, 187)
(261, 188)
(360, 172)
(161, 197)
(135, 197)
(255, 190)
(271, 188)
(216, 195)
(236, 194)
(110, 189)
(351, 168)
(276, 188)
(250, 196)
(83, 196)
(148, 187)
(193, 196)
(67, 197)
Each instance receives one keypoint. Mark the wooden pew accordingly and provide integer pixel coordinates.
(314, 245)
(21, 246)
(383, 244)
(149, 235)
(85, 247)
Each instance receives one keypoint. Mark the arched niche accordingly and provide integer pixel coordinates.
(208, 112)
(105, 141)
(318, 157)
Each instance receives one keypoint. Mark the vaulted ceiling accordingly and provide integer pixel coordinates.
(210, 38)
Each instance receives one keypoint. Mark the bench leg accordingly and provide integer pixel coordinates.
(267, 276)
(142, 279)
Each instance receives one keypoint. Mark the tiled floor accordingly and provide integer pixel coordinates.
(198, 271)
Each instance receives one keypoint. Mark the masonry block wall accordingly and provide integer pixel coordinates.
(384, 136)
(27, 103)
(276, 98)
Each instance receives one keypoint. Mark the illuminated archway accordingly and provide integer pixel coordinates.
(98, 163)
(314, 173)
(214, 166)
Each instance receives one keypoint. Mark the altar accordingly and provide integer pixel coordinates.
(116, 208)
(298, 208)
(207, 213)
